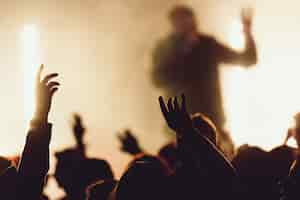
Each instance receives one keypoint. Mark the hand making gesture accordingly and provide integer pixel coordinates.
(45, 89)
(176, 115)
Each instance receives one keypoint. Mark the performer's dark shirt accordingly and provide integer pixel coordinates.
(195, 71)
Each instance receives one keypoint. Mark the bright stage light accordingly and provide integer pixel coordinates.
(236, 38)
(31, 61)
(260, 102)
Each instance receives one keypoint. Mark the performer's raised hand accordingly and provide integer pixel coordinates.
(247, 16)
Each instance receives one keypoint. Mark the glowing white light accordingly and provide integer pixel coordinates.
(260, 102)
(236, 37)
(31, 61)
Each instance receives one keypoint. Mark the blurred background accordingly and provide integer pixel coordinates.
(102, 50)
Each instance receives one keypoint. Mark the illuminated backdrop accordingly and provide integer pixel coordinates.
(102, 51)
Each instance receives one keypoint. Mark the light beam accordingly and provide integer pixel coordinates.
(31, 60)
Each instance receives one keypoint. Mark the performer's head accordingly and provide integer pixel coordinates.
(205, 126)
(183, 19)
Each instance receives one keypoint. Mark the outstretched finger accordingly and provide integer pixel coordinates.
(39, 73)
(53, 84)
(170, 106)
(53, 91)
(49, 77)
(176, 105)
(247, 14)
(163, 107)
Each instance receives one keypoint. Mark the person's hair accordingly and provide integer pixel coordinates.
(169, 153)
(100, 189)
(180, 10)
(205, 126)
(144, 179)
(74, 172)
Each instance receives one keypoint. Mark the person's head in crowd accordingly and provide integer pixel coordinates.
(145, 178)
(169, 154)
(205, 126)
(74, 174)
(250, 161)
(182, 19)
(100, 189)
(4, 164)
(8, 179)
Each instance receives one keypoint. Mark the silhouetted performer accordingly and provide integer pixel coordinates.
(187, 62)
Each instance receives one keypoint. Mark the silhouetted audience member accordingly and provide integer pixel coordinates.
(170, 154)
(202, 164)
(145, 178)
(75, 171)
(281, 159)
(4, 164)
(101, 190)
(292, 183)
(27, 181)
(74, 174)
(252, 164)
(205, 126)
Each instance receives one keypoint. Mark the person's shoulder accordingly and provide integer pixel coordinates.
(283, 149)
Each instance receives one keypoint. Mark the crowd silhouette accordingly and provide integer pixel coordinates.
(193, 166)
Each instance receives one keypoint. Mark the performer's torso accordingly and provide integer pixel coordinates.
(196, 75)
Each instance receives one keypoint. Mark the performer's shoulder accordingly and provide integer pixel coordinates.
(164, 43)
(167, 39)
(207, 38)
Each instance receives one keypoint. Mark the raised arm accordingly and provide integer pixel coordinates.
(79, 133)
(129, 143)
(34, 163)
(203, 168)
(195, 149)
(247, 57)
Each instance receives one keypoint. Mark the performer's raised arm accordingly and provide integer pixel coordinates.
(247, 57)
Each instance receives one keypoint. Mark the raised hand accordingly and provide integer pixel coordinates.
(78, 129)
(45, 89)
(176, 116)
(129, 143)
(247, 16)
